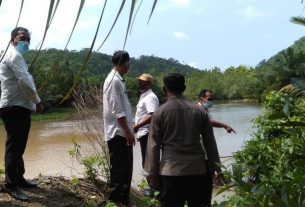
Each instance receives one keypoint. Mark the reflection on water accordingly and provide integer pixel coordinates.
(50, 142)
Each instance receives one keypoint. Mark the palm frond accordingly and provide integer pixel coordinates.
(83, 68)
(135, 16)
(152, 10)
(298, 20)
(133, 2)
(76, 20)
(116, 19)
(20, 11)
(57, 3)
(48, 23)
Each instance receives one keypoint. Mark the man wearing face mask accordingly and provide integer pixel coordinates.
(146, 106)
(206, 100)
(18, 99)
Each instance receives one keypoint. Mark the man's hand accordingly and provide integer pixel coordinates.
(135, 128)
(220, 179)
(39, 108)
(229, 129)
(131, 141)
(153, 182)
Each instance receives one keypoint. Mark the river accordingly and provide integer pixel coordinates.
(50, 142)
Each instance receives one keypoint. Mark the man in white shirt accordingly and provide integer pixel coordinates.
(147, 105)
(118, 131)
(18, 99)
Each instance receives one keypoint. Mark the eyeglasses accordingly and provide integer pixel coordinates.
(210, 99)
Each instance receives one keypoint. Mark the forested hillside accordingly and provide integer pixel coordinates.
(55, 71)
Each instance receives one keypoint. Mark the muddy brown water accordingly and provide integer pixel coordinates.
(49, 143)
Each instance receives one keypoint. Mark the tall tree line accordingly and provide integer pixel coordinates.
(55, 70)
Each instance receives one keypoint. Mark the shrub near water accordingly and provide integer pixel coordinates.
(270, 169)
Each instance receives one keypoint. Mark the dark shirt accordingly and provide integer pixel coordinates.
(176, 129)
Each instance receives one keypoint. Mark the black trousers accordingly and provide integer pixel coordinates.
(143, 144)
(193, 189)
(17, 122)
(121, 165)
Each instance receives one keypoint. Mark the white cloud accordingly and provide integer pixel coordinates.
(250, 12)
(181, 36)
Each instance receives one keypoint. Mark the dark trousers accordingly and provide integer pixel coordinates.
(17, 122)
(176, 190)
(143, 144)
(121, 165)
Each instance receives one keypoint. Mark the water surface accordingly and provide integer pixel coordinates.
(50, 142)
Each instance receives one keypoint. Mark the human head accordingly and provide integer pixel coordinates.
(20, 39)
(145, 82)
(20, 34)
(120, 61)
(206, 98)
(174, 83)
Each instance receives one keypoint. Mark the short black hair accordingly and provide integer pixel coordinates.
(203, 93)
(17, 30)
(120, 57)
(175, 83)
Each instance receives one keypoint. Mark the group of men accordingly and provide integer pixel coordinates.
(178, 148)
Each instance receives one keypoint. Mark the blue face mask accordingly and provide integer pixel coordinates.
(208, 105)
(22, 46)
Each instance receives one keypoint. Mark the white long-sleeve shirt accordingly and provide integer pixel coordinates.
(17, 84)
(115, 105)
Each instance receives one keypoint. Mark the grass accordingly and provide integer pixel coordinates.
(55, 114)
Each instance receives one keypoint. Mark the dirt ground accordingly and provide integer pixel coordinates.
(60, 192)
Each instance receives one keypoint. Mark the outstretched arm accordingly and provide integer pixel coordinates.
(218, 124)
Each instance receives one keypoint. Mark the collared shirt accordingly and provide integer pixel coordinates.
(17, 84)
(115, 105)
(148, 103)
(176, 129)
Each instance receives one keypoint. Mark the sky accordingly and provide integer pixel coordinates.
(201, 33)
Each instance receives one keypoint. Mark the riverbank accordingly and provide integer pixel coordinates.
(58, 191)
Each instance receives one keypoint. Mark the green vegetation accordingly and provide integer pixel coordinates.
(269, 170)
(55, 114)
(56, 72)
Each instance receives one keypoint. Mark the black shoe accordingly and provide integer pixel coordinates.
(27, 184)
(17, 194)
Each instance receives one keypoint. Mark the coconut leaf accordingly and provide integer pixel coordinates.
(76, 20)
(135, 16)
(116, 19)
(152, 10)
(133, 2)
(21, 7)
(298, 20)
(51, 7)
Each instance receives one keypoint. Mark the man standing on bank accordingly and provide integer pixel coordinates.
(206, 100)
(146, 106)
(176, 130)
(18, 99)
(118, 131)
